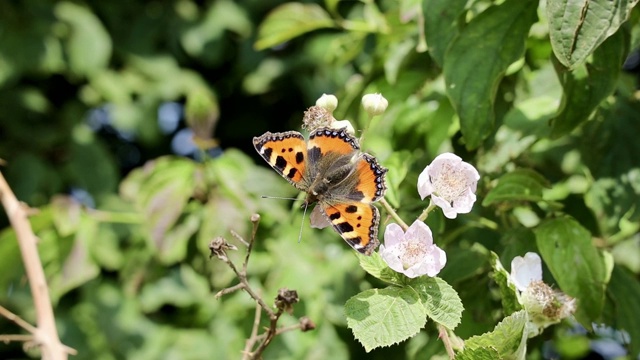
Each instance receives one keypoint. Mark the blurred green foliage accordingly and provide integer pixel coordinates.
(541, 107)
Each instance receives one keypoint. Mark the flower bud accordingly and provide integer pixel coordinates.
(346, 124)
(327, 102)
(374, 104)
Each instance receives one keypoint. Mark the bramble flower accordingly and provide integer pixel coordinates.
(316, 117)
(413, 252)
(544, 305)
(374, 104)
(451, 183)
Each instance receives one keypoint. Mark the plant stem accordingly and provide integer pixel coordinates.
(393, 214)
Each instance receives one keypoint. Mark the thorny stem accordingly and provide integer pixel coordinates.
(46, 333)
(393, 214)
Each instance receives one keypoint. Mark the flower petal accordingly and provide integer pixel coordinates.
(393, 235)
(525, 270)
(425, 187)
(419, 231)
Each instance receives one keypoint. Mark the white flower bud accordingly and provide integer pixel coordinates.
(374, 104)
(327, 102)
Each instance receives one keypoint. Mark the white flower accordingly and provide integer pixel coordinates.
(327, 102)
(451, 183)
(525, 270)
(413, 252)
(374, 104)
(544, 305)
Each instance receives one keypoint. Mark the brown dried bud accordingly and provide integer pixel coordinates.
(306, 324)
(316, 117)
(285, 299)
(219, 247)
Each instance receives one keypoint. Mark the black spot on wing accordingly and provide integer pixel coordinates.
(344, 227)
(335, 216)
(351, 209)
(299, 157)
(354, 241)
(281, 163)
(292, 173)
(267, 153)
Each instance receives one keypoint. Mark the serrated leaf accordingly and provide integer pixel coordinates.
(577, 266)
(481, 353)
(290, 20)
(510, 303)
(441, 301)
(477, 59)
(577, 28)
(506, 338)
(441, 19)
(518, 185)
(377, 267)
(586, 86)
(383, 317)
(624, 292)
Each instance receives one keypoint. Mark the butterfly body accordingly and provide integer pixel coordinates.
(334, 173)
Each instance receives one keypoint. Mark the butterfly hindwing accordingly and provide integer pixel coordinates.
(357, 223)
(286, 153)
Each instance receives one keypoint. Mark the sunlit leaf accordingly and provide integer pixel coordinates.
(506, 338)
(290, 20)
(441, 301)
(577, 28)
(515, 186)
(383, 317)
(477, 59)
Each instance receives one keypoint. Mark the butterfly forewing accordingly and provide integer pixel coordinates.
(286, 153)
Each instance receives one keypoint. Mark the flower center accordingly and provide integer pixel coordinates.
(413, 252)
(450, 182)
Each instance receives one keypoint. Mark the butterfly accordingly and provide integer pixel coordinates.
(334, 173)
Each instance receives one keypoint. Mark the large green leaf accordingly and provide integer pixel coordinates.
(441, 19)
(477, 59)
(577, 28)
(587, 85)
(290, 20)
(516, 186)
(507, 337)
(624, 292)
(576, 265)
(441, 301)
(510, 303)
(378, 268)
(383, 317)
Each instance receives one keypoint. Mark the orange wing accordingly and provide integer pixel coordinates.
(357, 223)
(371, 185)
(286, 153)
(332, 140)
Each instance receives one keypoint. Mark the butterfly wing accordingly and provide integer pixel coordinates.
(286, 153)
(357, 223)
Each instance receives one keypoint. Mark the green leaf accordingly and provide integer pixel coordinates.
(161, 191)
(577, 266)
(89, 44)
(290, 20)
(507, 337)
(481, 353)
(441, 19)
(441, 301)
(589, 84)
(378, 268)
(577, 28)
(473, 73)
(398, 164)
(510, 303)
(516, 186)
(383, 317)
(624, 292)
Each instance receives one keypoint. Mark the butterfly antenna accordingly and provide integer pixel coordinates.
(304, 213)
(277, 197)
